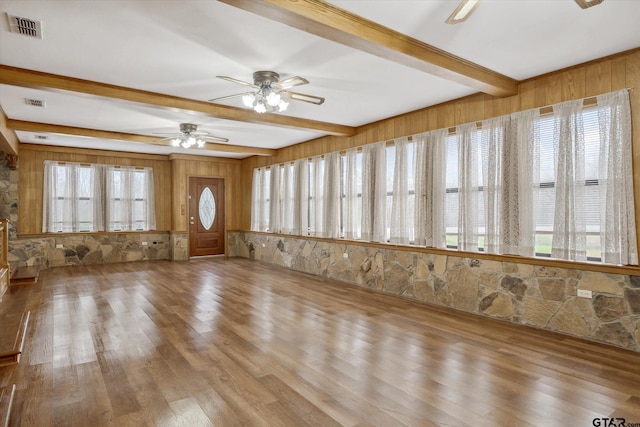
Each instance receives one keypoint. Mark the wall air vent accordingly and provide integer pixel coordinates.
(25, 26)
(35, 102)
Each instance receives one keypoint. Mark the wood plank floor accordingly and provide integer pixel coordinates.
(237, 343)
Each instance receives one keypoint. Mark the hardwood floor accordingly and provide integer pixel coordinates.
(233, 342)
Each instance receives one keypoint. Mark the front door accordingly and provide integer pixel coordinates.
(206, 216)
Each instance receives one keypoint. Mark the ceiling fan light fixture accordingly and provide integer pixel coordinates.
(282, 106)
(260, 107)
(187, 141)
(462, 12)
(273, 98)
(190, 136)
(248, 100)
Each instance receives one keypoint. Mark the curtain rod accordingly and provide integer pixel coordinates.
(588, 100)
(546, 109)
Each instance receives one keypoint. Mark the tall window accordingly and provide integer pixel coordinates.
(72, 198)
(129, 196)
(88, 198)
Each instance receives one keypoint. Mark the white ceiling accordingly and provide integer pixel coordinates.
(179, 47)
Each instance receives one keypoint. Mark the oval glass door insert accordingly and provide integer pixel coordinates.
(207, 208)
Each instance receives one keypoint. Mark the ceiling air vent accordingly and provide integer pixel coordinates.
(34, 102)
(25, 26)
(41, 137)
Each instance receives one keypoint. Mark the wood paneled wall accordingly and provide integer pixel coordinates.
(596, 77)
(182, 167)
(171, 174)
(31, 172)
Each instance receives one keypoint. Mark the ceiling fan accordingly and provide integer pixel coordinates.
(190, 136)
(464, 9)
(268, 92)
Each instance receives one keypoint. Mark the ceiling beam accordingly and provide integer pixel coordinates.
(45, 81)
(8, 138)
(333, 23)
(19, 125)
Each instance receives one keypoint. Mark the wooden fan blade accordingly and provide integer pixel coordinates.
(215, 138)
(222, 98)
(290, 82)
(166, 139)
(588, 3)
(165, 133)
(302, 97)
(240, 82)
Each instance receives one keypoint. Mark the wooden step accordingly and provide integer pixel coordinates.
(6, 402)
(12, 335)
(25, 275)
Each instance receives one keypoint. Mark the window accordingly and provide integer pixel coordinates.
(129, 196)
(90, 198)
(581, 169)
(72, 200)
(559, 186)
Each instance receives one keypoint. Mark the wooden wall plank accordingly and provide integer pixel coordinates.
(208, 167)
(31, 172)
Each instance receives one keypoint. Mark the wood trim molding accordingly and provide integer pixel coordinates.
(8, 138)
(91, 151)
(129, 137)
(35, 79)
(191, 157)
(333, 23)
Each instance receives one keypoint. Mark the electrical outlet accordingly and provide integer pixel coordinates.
(345, 255)
(584, 293)
(145, 243)
(59, 246)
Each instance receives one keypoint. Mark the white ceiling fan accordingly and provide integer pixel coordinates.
(268, 92)
(466, 7)
(190, 136)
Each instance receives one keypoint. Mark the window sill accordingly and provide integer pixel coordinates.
(87, 233)
(546, 262)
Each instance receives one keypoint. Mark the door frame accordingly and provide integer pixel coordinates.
(188, 210)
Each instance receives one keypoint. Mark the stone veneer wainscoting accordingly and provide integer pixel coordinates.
(533, 295)
(91, 249)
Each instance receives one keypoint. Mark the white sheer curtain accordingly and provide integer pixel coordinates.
(274, 199)
(493, 140)
(352, 196)
(569, 225)
(374, 192)
(301, 198)
(288, 198)
(617, 218)
(521, 177)
(469, 185)
(129, 195)
(430, 188)
(400, 230)
(331, 214)
(72, 199)
(260, 201)
(317, 197)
